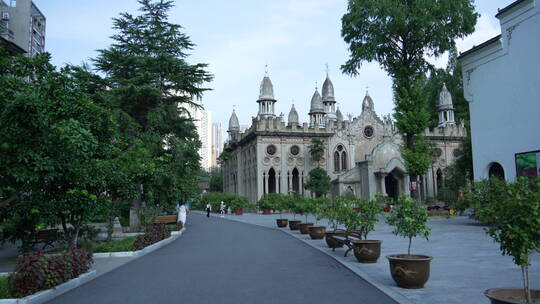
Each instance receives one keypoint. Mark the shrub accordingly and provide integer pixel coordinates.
(35, 272)
(368, 215)
(153, 234)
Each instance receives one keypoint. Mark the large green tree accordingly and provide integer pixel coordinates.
(316, 150)
(400, 34)
(318, 182)
(151, 82)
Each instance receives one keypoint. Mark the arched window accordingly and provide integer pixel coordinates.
(439, 179)
(496, 171)
(344, 161)
(336, 161)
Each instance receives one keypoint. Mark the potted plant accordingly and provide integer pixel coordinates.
(332, 214)
(238, 203)
(367, 251)
(317, 210)
(305, 206)
(295, 207)
(513, 223)
(265, 204)
(409, 219)
(279, 202)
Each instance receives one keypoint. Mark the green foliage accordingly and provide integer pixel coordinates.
(400, 35)
(318, 182)
(216, 180)
(368, 215)
(113, 246)
(229, 199)
(409, 219)
(316, 149)
(446, 195)
(4, 291)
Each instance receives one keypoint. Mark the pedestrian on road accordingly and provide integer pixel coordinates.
(222, 209)
(182, 215)
(208, 209)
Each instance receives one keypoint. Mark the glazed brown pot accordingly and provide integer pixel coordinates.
(409, 271)
(367, 251)
(304, 227)
(331, 241)
(293, 224)
(510, 296)
(281, 223)
(238, 211)
(267, 211)
(317, 232)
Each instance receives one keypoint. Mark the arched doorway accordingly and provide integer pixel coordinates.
(272, 181)
(496, 170)
(391, 185)
(439, 179)
(296, 181)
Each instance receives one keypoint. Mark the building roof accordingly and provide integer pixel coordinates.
(509, 7)
(367, 104)
(328, 90)
(234, 124)
(316, 103)
(480, 46)
(266, 90)
(339, 115)
(445, 99)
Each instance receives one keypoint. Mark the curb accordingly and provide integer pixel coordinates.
(142, 252)
(49, 294)
(349, 265)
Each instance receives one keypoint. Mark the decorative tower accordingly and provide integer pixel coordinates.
(328, 99)
(234, 126)
(367, 104)
(266, 99)
(293, 117)
(446, 108)
(316, 112)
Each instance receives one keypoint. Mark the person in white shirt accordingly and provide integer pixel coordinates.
(222, 209)
(208, 209)
(182, 215)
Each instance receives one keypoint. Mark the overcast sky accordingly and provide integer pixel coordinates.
(237, 38)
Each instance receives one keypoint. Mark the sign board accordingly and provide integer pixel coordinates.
(528, 164)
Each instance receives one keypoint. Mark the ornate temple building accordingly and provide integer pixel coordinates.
(362, 154)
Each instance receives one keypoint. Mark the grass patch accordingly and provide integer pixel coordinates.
(4, 291)
(113, 246)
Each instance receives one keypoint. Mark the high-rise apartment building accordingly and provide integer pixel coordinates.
(217, 142)
(23, 26)
(203, 123)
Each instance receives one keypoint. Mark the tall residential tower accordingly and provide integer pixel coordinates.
(23, 26)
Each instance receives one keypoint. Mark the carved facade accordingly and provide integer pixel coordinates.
(362, 154)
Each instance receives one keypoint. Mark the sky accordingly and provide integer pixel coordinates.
(238, 38)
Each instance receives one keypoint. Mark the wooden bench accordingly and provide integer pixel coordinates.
(347, 241)
(46, 236)
(165, 219)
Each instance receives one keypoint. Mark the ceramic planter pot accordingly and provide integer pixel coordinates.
(316, 232)
(409, 271)
(331, 241)
(267, 211)
(238, 212)
(367, 251)
(510, 296)
(281, 223)
(293, 225)
(304, 227)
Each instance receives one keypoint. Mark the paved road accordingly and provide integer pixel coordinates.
(221, 261)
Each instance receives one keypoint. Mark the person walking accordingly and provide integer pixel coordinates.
(222, 209)
(182, 215)
(208, 209)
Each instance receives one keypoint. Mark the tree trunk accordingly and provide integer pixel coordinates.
(134, 219)
(409, 248)
(526, 287)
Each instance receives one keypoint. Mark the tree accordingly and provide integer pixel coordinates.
(400, 34)
(216, 180)
(151, 82)
(316, 149)
(318, 182)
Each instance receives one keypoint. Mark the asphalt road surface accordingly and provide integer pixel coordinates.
(221, 261)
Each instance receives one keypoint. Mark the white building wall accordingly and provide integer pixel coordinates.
(502, 84)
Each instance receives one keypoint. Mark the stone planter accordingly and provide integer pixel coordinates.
(267, 211)
(330, 241)
(409, 271)
(304, 227)
(293, 225)
(317, 232)
(238, 212)
(367, 251)
(510, 296)
(282, 223)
